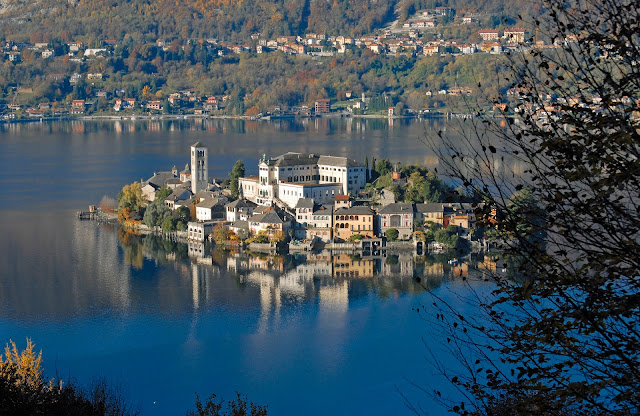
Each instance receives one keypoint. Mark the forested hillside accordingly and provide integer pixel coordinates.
(229, 20)
(223, 19)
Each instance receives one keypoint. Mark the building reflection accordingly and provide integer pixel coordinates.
(111, 270)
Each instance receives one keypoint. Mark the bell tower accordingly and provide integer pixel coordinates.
(199, 167)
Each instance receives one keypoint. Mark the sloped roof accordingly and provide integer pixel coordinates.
(241, 203)
(208, 203)
(295, 159)
(430, 207)
(267, 218)
(397, 208)
(305, 203)
(159, 179)
(357, 210)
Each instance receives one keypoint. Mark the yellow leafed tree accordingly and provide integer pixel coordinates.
(27, 364)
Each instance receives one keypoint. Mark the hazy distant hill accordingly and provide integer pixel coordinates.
(231, 20)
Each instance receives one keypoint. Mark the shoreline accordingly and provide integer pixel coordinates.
(198, 117)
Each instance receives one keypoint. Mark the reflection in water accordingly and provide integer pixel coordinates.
(107, 269)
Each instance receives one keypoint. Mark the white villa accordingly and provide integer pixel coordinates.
(292, 176)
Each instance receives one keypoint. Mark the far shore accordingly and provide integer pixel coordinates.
(135, 117)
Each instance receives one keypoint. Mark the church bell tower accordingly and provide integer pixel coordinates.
(199, 167)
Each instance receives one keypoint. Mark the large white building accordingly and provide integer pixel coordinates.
(292, 176)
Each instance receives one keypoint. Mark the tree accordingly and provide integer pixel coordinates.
(236, 173)
(392, 234)
(383, 167)
(566, 337)
(237, 407)
(25, 391)
(168, 224)
(131, 197)
(162, 194)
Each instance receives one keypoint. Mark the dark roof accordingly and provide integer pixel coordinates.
(338, 161)
(305, 203)
(267, 218)
(179, 193)
(430, 207)
(159, 179)
(294, 159)
(198, 144)
(396, 208)
(240, 224)
(241, 203)
(323, 210)
(357, 210)
(208, 203)
(262, 209)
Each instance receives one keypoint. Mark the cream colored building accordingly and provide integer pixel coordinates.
(292, 176)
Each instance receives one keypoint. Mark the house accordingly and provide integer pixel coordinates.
(77, 106)
(399, 216)
(431, 49)
(181, 196)
(97, 76)
(320, 224)
(34, 112)
(153, 184)
(430, 212)
(349, 221)
(47, 53)
(198, 230)
(239, 210)
(459, 214)
(270, 222)
(210, 208)
(489, 34)
(154, 105)
(514, 35)
(322, 106)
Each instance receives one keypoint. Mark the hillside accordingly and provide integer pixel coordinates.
(229, 20)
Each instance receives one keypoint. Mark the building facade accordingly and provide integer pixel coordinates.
(292, 176)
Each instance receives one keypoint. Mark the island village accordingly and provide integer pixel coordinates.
(297, 202)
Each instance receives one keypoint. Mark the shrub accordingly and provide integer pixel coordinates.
(392, 234)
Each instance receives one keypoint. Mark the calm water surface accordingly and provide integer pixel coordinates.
(297, 333)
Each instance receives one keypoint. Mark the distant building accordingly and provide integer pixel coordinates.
(322, 106)
(514, 35)
(292, 176)
(489, 34)
(353, 220)
(399, 216)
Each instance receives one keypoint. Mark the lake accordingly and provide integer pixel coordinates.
(300, 334)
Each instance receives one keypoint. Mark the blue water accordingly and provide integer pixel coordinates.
(162, 327)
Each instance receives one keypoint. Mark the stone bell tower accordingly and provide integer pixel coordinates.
(199, 167)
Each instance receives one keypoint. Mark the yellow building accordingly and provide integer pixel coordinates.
(353, 220)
